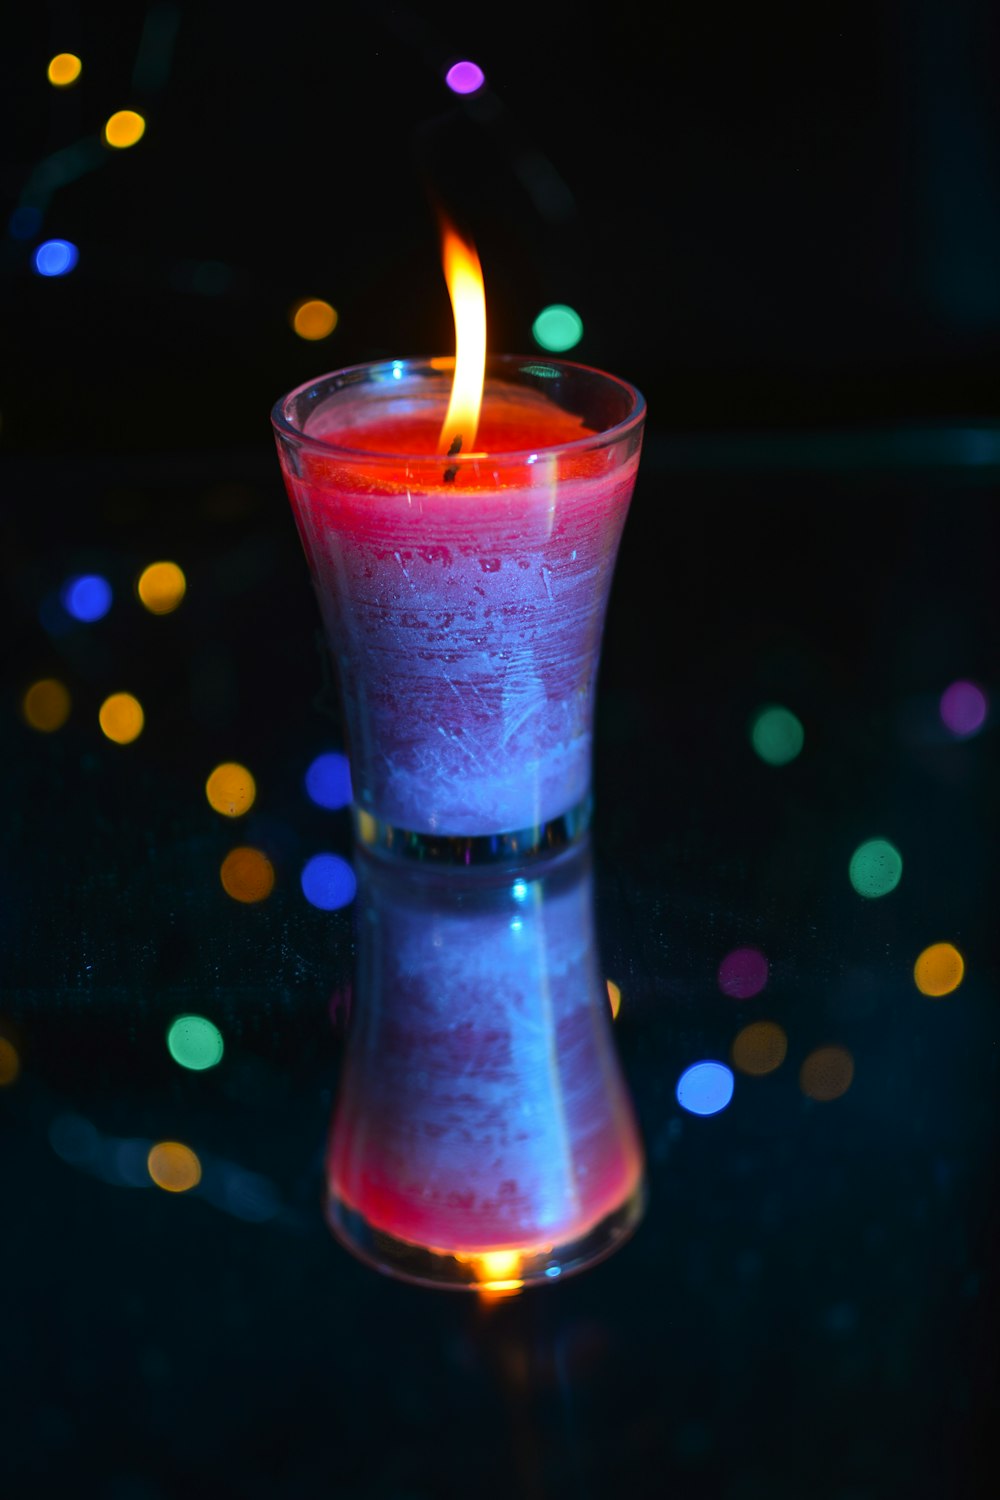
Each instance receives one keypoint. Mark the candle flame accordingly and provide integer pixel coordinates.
(464, 276)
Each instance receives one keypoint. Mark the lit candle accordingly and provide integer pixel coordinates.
(463, 560)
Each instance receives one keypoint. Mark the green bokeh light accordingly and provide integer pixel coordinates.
(557, 327)
(777, 736)
(194, 1042)
(876, 868)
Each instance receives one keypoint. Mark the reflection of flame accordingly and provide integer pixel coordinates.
(495, 1270)
(464, 276)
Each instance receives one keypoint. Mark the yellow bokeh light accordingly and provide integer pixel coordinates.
(174, 1167)
(759, 1048)
(161, 587)
(247, 875)
(615, 996)
(10, 1063)
(231, 789)
(64, 69)
(939, 970)
(122, 718)
(124, 128)
(827, 1073)
(313, 319)
(46, 705)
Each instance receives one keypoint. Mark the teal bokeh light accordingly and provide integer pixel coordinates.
(876, 868)
(557, 328)
(195, 1043)
(777, 735)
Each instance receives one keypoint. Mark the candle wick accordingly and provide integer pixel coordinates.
(456, 447)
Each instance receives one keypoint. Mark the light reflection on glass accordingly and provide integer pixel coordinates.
(483, 1135)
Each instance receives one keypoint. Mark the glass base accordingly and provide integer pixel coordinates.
(505, 1269)
(540, 841)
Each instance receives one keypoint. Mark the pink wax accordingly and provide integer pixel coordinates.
(481, 1107)
(465, 613)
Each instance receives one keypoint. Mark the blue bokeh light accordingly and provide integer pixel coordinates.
(328, 882)
(328, 780)
(55, 257)
(705, 1088)
(87, 597)
(25, 222)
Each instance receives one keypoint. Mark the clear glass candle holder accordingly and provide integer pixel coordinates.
(464, 597)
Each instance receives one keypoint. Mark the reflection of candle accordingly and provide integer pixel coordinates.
(483, 1132)
(463, 558)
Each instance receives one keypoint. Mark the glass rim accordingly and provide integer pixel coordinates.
(287, 429)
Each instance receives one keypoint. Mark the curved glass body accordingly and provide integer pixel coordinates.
(464, 596)
(483, 1136)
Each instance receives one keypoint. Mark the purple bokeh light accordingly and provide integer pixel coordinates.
(963, 708)
(465, 77)
(743, 973)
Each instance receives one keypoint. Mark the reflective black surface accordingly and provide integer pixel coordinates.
(809, 1307)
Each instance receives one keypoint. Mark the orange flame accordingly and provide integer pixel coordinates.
(464, 276)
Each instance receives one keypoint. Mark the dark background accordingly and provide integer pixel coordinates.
(783, 224)
(769, 216)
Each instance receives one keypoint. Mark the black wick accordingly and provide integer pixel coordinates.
(456, 447)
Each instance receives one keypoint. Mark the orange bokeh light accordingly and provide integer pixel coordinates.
(174, 1167)
(46, 705)
(826, 1073)
(939, 970)
(231, 789)
(247, 875)
(759, 1048)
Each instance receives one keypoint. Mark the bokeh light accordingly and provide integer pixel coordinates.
(777, 735)
(195, 1043)
(10, 1063)
(25, 222)
(121, 717)
(557, 328)
(939, 970)
(743, 973)
(231, 789)
(876, 868)
(87, 598)
(174, 1167)
(124, 128)
(328, 780)
(826, 1073)
(963, 709)
(161, 587)
(328, 882)
(64, 69)
(46, 705)
(247, 875)
(615, 997)
(465, 77)
(705, 1088)
(55, 257)
(759, 1048)
(313, 319)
